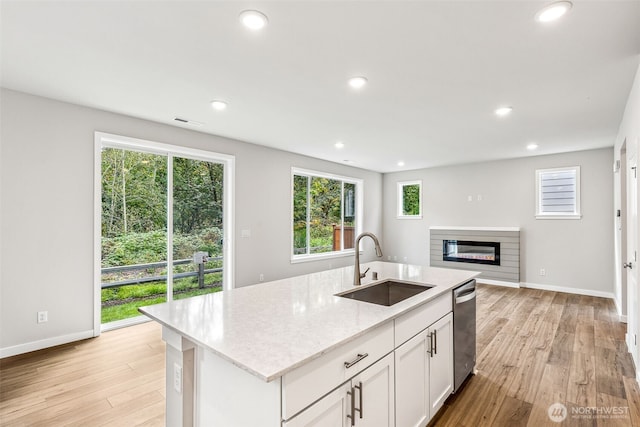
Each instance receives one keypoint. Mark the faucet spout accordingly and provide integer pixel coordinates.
(356, 270)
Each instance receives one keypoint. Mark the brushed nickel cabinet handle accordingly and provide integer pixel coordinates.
(435, 341)
(353, 407)
(358, 358)
(360, 411)
(430, 347)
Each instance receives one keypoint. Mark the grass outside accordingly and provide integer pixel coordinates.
(122, 303)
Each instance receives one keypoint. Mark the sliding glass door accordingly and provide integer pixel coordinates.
(197, 226)
(134, 232)
(162, 228)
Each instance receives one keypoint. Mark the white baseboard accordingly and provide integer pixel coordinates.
(49, 342)
(621, 317)
(555, 288)
(498, 282)
(568, 290)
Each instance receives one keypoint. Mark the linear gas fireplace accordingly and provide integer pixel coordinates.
(471, 251)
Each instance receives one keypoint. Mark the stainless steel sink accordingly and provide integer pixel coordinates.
(386, 293)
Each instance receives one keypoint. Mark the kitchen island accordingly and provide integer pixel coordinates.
(271, 354)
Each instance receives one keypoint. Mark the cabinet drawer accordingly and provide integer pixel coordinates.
(306, 384)
(411, 323)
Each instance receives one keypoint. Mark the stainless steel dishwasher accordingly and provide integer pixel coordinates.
(464, 332)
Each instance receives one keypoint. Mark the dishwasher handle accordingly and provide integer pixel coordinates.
(468, 296)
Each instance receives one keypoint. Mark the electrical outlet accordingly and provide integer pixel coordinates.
(261, 278)
(404, 259)
(43, 316)
(543, 272)
(177, 377)
(469, 198)
(395, 258)
(388, 257)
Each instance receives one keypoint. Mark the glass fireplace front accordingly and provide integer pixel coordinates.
(471, 251)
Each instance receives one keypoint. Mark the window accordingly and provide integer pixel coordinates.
(326, 214)
(162, 213)
(558, 193)
(410, 200)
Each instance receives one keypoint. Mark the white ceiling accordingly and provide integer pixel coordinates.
(437, 70)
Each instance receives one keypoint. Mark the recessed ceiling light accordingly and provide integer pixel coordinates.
(218, 105)
(400, 163)
(253, 20)
(553, 11)
(504, 111)
(532, 146)
(339, 144)
(357, 82)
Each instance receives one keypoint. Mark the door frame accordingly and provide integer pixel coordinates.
(633, 301)
(102, 139)
(622, 229)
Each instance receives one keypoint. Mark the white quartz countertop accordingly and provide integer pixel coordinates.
(271, 328)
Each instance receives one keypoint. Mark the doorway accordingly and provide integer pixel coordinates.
(163, 222)
(629, 250)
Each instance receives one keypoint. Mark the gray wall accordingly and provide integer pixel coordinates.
(576, 254)
(46, 228)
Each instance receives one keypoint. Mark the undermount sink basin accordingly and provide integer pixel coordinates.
(386, 293)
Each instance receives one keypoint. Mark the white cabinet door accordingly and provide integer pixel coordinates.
(441, 362)
(374, 398)
(365, 401)
(424, 373)
(412, 386)
(330, 411)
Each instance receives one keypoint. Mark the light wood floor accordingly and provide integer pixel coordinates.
(535, 348)
(116, 379)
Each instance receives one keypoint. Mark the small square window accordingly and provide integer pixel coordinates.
(558, 193)
(410, 200)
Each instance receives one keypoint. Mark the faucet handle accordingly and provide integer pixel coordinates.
(362, 275)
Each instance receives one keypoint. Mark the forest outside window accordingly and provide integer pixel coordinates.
(326, 214)
(162, 212)
(410, 200)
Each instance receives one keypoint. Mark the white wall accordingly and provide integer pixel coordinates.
(46, 178)
(576, 254)
(629, 131)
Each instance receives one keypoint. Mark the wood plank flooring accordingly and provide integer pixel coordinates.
(116, 379)
(535, 348)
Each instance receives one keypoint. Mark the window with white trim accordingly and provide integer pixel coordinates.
(410, 199)
(558, 193)
(326, 214)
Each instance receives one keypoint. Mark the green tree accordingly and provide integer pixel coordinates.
(197, 195)
(134, 192)
(411, 199)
